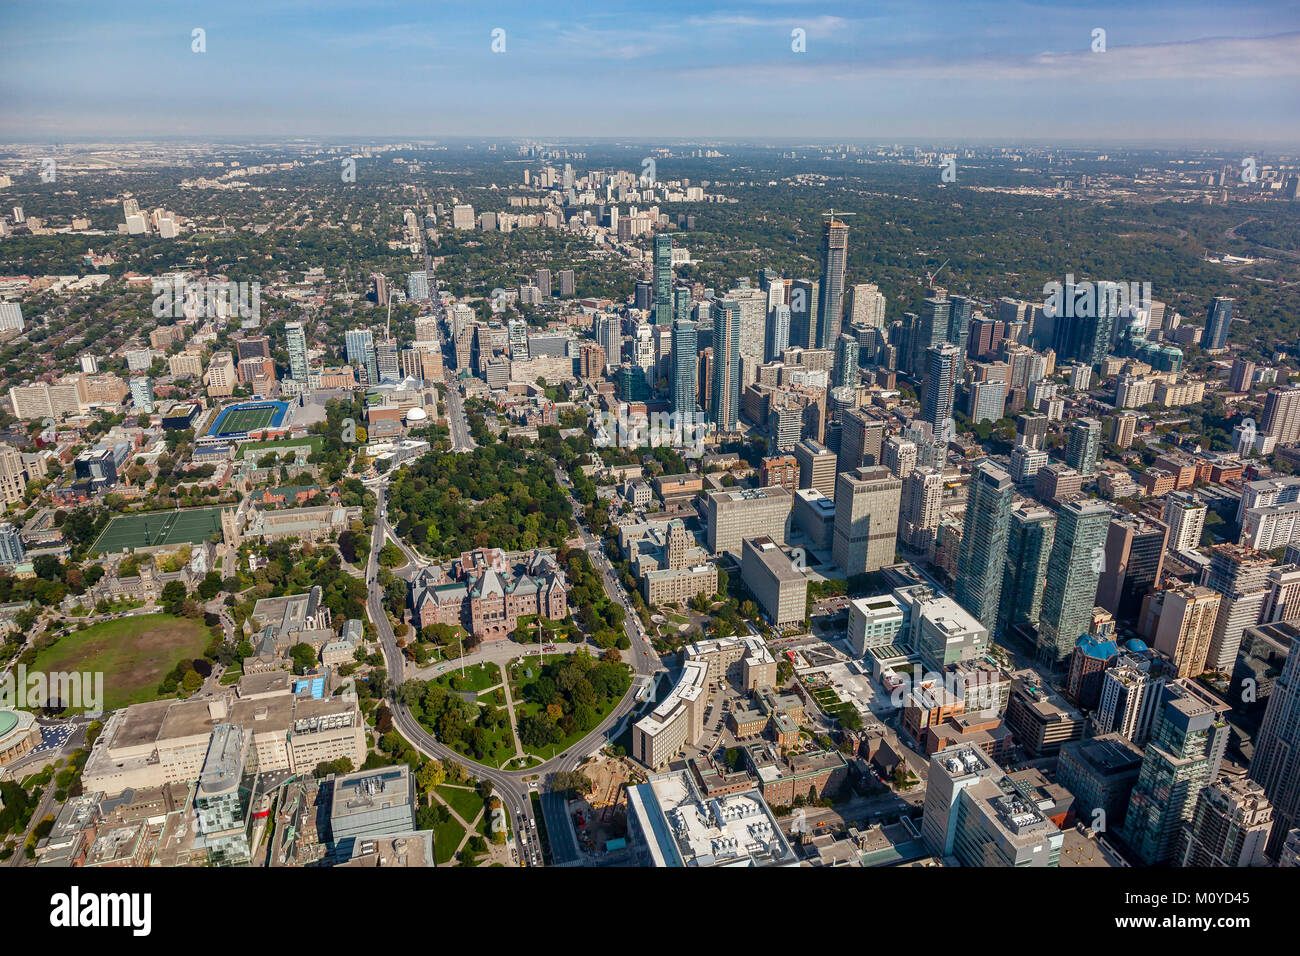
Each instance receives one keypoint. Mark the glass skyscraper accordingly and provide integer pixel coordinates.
(685, 349)
(835, 253)
(296, 342)
(1217, 324)
(724, 408)
(663, 281)
(1029, 546)
(1073, 571)
(1181, 759)
(983, 550)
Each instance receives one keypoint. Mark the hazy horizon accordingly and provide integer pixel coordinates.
(1171, 74)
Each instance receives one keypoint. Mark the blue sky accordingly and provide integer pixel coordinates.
(1187, 71)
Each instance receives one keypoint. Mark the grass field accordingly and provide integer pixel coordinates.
(246, 420)
(254, 449)
(464, 801)
(134, 654)
(190, 526)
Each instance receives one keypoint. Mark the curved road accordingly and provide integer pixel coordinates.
(512, 786)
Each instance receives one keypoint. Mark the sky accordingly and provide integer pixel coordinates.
(1165, 72)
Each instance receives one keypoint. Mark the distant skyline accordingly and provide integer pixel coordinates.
(1173, 71)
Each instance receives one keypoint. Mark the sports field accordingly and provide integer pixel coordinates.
(189, 526)
(133, 654)
(246, 419)
(249, 417)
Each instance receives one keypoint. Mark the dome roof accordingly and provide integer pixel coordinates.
(1136, 645)
(416, 415)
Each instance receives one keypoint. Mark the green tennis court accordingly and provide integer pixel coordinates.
(158, 528)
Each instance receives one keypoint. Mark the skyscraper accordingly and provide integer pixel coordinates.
(866, 519)
(1240, 575)
(860, 440)
(296, 342)
(835, 252)
(1229, 826)
(1181, 759)
(804, 309)
(609, 336)
(1276, 764)
(724, 408)
(1135, 555)
(1030, 536)
(921, 509)
(1217, 323)
(663, 280)
(1083, 444)
(930, 328)
(846, 361)
(978, 587)
(778, 332)
(943, 366)
(682, 386)
(960, 309)
(1282, 414)
(1073, 570)
(357, 346)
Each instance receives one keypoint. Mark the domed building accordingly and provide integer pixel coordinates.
(19, 733)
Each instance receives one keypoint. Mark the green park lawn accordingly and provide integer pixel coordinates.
(133, 653)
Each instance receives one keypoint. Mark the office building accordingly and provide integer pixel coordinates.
(1276, 763)
(1229, 827)
(225, 796)
(1030, 535)
(976, 815)
(1241, 576)
(1134, 559)
(978, 586)
(371, 803)
(1101, 772)
(12, 551)
(860, 440)
(817, 466)
(1073, 571)
(672, 824)
(866, 519)
(780, 588)
(1181, 759)
(734, 515)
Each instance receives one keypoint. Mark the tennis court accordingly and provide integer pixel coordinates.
(159, 528)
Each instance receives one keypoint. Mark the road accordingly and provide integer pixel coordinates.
(513, 787)
(457, 421)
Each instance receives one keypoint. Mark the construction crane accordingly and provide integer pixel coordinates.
(931, 276)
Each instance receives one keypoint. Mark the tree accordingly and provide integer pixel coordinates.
(192, 681)
(430, 775)
(174, 594)
(304, 658)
